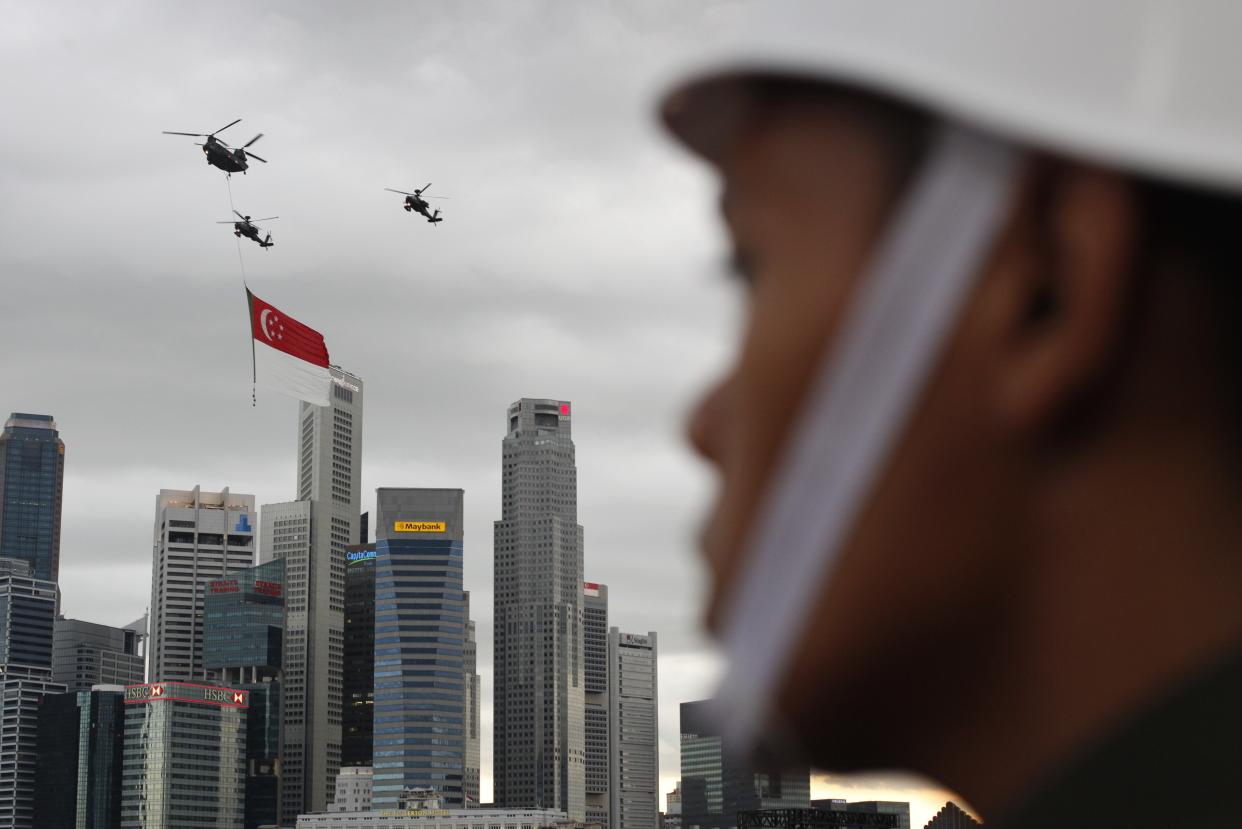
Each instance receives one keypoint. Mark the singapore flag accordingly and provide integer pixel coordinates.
(292, 358)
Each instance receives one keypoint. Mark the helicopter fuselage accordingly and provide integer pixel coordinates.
(218, 155)
(415, 203)
(246, 229)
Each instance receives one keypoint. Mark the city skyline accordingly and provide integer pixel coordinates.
(147, 370)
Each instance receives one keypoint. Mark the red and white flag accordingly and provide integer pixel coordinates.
(292, 358)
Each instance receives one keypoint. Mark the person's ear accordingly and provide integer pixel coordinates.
(1060, 288)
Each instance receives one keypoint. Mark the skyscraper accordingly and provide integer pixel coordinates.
(420, 641)
(312, 533)
(32, 471)
(243, 624)
(633, 714)
(357, 721)
(716, 784)
(539, 751)
(243, 631)
(199, 537)
(470, 782)
(595, 660)
(86, 654)
(185, 756)
(80, 754)
(27, 613)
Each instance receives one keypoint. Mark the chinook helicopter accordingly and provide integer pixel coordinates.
(414, 202)
(229, 159)
(248, 229)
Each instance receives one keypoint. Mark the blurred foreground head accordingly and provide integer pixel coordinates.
(978, 448)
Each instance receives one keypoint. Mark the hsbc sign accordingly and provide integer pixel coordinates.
(188, 692)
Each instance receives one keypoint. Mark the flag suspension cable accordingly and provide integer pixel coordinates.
(241, 261)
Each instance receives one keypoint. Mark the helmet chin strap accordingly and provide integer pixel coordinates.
(868, 386)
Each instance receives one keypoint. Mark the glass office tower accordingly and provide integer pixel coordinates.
(357, 732)
(243, 630)
(185, 756)
(420, 638)
(32, 471)
(80, 752)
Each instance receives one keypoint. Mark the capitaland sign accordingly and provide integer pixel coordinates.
(418, 526)
(187, 692)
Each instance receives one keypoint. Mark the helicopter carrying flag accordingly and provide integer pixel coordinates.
(294, 356)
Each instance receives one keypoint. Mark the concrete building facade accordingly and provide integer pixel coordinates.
(198, 537)
(595, 701)
(539, 735)
(312, 534)
(353, 790)
(32, 471)
(473, 726)
(420, 642)
(86, 654)
(633, 715)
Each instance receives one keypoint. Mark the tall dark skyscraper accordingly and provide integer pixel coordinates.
(32, 471)
(80, 756)
(27, 612)
(539, 752)
(420, 642)
(357, 721)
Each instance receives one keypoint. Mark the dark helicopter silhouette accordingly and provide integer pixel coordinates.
(229, 159)
(415, 202)
(248, 229)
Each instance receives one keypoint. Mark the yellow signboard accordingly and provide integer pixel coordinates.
(418, 526)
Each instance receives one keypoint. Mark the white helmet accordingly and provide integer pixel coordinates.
(1153, 86)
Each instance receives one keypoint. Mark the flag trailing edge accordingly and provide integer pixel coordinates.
(289, 357)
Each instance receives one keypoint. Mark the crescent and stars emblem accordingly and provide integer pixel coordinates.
(271, 327)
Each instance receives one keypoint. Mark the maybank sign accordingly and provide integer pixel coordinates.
(418, 526)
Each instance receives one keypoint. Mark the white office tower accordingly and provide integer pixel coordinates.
(353, 790)
(595, 659)
(312, 533)
(539, 753)
(200, 537)
(633, 709)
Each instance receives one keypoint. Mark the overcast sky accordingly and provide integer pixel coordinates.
(579, 259)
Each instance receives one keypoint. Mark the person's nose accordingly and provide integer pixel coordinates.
(705, 425)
